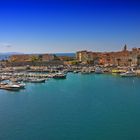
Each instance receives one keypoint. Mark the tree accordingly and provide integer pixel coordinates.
(118, 61)
(40, 57)
(130, 61)
(138, 60)
(74, 62)
(55, 57)
(96, 60)
(34, 58)
(90, 62)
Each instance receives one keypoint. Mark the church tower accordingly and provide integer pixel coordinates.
(125, 48)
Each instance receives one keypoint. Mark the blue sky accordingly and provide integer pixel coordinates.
(37, 26)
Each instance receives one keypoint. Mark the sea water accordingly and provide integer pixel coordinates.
(81, 107)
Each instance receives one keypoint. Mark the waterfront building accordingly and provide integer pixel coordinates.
(121, 58)
(85, 56)
(31, 57)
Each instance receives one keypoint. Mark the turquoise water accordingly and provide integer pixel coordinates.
(82, 107)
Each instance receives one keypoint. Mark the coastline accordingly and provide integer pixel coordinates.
(14, 78)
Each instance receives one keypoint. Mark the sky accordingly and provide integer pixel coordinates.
(60, 26)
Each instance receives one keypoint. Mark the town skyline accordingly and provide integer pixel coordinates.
(91, 50)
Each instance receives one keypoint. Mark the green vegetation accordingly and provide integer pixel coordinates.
(74, 62)
(55, 57)
(130, 61)
(118, 60)
(34, 58)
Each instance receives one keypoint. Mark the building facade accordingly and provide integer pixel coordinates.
(31, 57)
(120, 58)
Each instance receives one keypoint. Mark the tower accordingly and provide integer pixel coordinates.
(125, 48)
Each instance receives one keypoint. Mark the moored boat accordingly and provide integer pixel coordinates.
(85, 72)
(76, 71)
(22, 85)
(98, 70)
(128, 74)
(37, 80)
(34, 80)
(59, 76)
(10, 87)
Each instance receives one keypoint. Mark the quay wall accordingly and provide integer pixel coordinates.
(138, 72)
(47, 63)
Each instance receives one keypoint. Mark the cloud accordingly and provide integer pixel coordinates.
(6, 45)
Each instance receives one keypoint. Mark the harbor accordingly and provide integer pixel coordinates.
(20, 69)
(14, 80)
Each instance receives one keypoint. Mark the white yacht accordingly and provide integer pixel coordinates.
(129, 73)
(98, 70)
(12, 87)
(22, 85)
(35, 80)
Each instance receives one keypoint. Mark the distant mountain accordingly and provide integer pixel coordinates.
(5, 56)
(10, 53)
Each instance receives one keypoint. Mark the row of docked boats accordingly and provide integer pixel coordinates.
(34, 80)
(18, 83)
(98, 70)
(129, 73)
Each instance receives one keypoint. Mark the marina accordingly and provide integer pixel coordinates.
(17, 80)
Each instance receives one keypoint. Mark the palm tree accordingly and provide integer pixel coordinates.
(118, 61)
(96, 60)
(40, 57)
(138, 60)
(56, 57)
(130, 61)
(90, 62)
(34, 59)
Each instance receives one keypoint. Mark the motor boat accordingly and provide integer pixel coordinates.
(59, 76)
(11, 87)
(22, 85)
(98, 70)
(128, 74)
(36, 80)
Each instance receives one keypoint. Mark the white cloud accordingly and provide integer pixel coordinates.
(5, 45)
